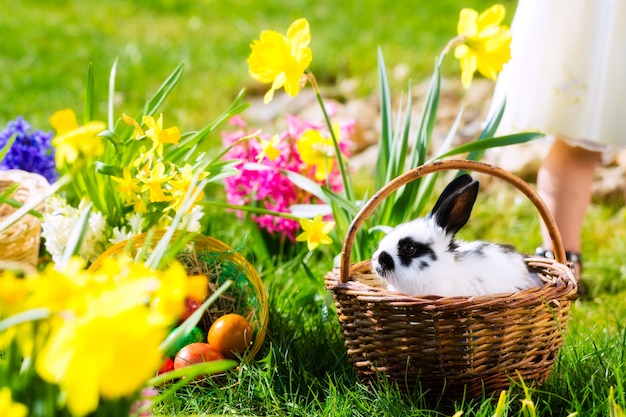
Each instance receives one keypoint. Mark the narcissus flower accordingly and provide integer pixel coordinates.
(154, 181)
(486, 43)
(8, 407)
(315, 232)
(281, 60)
(74, 143)
(317, 151)
(268, 149)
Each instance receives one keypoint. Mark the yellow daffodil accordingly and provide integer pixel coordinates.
(180, 184)
(281, 60)
(486, 43)
(154, 182)
(315, 232)
(110, 348)
(108, 352)
(128, 186)
(317, 151)
(159, 135)
(13, 291)
(155, 132)
(132, 122)
(9, 408)
(268, 149)
(75, 143)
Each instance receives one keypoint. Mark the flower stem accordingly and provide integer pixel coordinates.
(347, 185)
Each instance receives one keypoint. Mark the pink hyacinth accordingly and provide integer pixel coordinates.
(264, 185)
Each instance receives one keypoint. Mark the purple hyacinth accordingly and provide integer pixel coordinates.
(32, 150)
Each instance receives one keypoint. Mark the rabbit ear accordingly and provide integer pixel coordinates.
(454, 206)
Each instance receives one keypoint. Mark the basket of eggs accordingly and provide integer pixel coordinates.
(235, 324)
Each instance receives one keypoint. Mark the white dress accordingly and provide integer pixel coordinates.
(567, 73)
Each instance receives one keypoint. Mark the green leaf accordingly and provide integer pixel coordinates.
(24, 317)
(7, 146)
(336, 200)
(164, 90)
(90, 99)
(77, 236)
(490, 143)
(307, 185)
(111, 100)
(489, 131)
(107, 169)
(189, 373)
(386, 118)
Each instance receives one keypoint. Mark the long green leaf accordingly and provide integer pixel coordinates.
(490, 143)
(164, 90)
(77, 236)
(307, 185)
(488, 132)
(90, 99)
(7, 146)
(351, 208)
(24, 317)
(386, 123)
(111, 100)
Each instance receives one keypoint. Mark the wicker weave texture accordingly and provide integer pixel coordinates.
(452, 345)
(461, 343)
(20, 242)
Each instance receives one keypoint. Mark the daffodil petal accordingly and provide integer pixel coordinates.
(467, 22)
(493, 16)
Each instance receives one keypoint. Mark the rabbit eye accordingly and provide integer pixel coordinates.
(408, 249)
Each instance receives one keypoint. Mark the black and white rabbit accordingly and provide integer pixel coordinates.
(423, 257)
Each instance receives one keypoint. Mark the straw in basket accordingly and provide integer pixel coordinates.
(20, 242)
(453, 346)
(208, 256)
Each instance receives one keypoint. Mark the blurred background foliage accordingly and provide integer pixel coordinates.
(47, 46)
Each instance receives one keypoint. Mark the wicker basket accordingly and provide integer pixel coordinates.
(452, 346)
(20, 242)
(219, 262)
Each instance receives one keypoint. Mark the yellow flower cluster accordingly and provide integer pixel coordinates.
(148, 179)
(101, 337)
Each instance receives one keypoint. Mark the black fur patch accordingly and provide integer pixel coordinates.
(386, 261)
(408, 249)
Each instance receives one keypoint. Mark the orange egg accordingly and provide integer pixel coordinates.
(231, 334)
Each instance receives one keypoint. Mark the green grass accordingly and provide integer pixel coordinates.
(47, 46)
(302, 367)
(303, 370)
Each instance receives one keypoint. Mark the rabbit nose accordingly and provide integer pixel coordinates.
(386, 261)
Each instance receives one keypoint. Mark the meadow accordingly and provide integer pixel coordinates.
(302, 369)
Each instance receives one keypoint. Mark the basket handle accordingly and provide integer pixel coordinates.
(451, 164)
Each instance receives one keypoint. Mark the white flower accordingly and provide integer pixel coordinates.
(58, 222)
(120, 235)
(192, 220)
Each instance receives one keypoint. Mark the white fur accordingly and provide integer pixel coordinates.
(463, 272)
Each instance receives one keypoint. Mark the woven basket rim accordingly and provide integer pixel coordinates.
(447, 165)
(559, 282)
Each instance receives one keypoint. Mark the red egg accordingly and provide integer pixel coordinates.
(191, 305)
(196, 353)
(168, 365)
